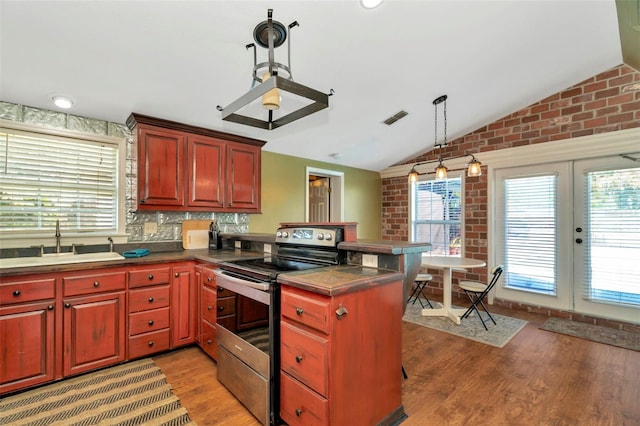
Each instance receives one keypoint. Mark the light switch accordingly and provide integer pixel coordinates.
(370, 260)
(150, 228)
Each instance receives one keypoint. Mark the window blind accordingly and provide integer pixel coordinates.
(530, 239)
(47, 178)
(612, 246)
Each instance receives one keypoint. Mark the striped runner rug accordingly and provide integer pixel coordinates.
(135, 393)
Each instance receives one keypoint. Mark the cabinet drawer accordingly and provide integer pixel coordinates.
(208, 278)
(305, 356)
(301, 406)
(208, 341)
(226, 306)
(98, 283)
(148, 343)
(312, 311)
(145, 321)
(149, 277)
(228, 322)
(27, 291)
(208, 304)
(149, 298)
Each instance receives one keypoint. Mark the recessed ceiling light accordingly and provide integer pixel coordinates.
(63, 102)
(370, 4)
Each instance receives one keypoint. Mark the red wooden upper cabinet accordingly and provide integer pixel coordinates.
(160, 168)
(188, 168)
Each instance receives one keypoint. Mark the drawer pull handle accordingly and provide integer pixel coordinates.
(150, 322)
(150, 342)
(151, 300)
(209, 341)
(299, 311)
(67, 305)
(341, 311)
(220, 289)
(209, 278)
(150, 277)
(209, 308)
(16, 293)
(177, 275)
(96, 284)
(50, 307)
(220, 308)
(298, 412)
(298, 359)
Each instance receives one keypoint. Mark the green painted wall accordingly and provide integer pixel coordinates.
(283, 194)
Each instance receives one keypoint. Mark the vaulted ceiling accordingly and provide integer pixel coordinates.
(179, 60)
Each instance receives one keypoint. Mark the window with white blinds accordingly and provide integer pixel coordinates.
(437, 215)
(612, 246)
(45, 178)
(530, 240)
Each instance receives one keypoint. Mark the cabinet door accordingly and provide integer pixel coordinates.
(27, 345)
(206, 161)
(93, 332)
(160, 168)
(243, 178)
(184, 306)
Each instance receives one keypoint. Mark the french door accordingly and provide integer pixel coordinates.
(569, 236)
(607, 237)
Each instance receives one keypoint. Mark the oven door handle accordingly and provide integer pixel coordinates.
(253, 290)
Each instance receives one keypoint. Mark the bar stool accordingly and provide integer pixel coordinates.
(421, 282)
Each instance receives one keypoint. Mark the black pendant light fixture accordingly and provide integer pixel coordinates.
(270, 81)
(474, 167)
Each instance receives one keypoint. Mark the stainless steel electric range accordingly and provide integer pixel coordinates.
(249, 349)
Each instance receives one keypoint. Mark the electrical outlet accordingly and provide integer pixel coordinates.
(238, 244)
(370, 260)
(150, 228)
(267, 248)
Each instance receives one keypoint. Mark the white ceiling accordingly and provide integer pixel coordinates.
(178, 60)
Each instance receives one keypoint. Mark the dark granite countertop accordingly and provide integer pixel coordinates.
(211, 256)
(385, 246)
(335, 280)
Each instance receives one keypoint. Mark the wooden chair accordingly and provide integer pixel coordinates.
(477, 291)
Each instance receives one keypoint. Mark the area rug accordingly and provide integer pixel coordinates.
(596, 333)
(136, 393)
(470, 328)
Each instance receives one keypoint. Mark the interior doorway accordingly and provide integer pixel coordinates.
(324, 195)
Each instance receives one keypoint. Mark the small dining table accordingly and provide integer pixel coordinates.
(448, 264)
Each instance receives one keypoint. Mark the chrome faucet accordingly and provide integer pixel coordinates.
(110, 244)
(58, 249)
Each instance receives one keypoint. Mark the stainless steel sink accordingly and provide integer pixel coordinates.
(58, 259)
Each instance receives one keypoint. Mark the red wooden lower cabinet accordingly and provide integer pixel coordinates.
(341, 356)
(184, 289)
(93, 332)
(27, 329)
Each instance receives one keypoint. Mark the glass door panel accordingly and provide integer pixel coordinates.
(607, 237)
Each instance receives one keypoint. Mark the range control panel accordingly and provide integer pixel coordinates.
(318, 237)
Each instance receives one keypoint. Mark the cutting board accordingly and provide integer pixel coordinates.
(195, 234)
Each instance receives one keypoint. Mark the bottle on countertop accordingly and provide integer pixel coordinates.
(215, 239)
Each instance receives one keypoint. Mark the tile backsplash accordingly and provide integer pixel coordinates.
(169, 224)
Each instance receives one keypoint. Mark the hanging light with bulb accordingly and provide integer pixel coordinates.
(474, 167)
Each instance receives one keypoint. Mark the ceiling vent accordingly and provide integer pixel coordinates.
(395, 117)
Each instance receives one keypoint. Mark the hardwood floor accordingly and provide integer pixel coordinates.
(538, 378)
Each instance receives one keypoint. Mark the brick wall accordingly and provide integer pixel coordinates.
(607, 102)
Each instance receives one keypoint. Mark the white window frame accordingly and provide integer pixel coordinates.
(412, 206)
(23, 239)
